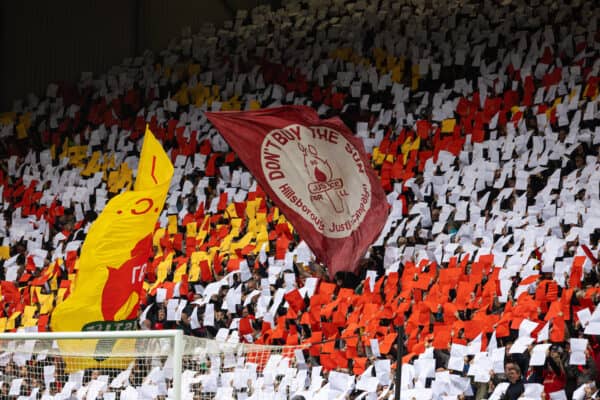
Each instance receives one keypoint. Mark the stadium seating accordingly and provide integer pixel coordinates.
(481, 120)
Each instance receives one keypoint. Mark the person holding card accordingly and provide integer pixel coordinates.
(552, 374)
(578, 375)
(515, 387)
(161, 319)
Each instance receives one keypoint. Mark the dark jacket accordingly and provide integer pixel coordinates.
(514, 390)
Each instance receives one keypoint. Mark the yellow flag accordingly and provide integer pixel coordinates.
(114, 254)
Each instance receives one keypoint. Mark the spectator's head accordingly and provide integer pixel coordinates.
(512, 371)
(556, 351)
(162, 315)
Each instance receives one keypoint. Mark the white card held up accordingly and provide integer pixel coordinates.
(559, 395)
(538, 355)
(520, 345)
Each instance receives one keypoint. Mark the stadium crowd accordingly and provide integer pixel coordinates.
(481, 120)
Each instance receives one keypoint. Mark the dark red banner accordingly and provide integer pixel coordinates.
(316, 171)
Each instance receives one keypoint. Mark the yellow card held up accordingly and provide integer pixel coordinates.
(225, 243)
(45, 303)
(191, 229)
(261, 219)
(21, 131)
(28, 314)
(448, 125)
(230, 211)
(4, 252)
(172, 225)
(180, 271)
(11, 320)
(194, 69)
(7, 118)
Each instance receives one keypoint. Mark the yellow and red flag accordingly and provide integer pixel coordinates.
(112, 265)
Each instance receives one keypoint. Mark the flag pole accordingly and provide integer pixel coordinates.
(400, 353)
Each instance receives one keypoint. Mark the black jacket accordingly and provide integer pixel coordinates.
(514, 390)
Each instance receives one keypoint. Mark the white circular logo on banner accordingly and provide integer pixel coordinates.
(319, 174)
